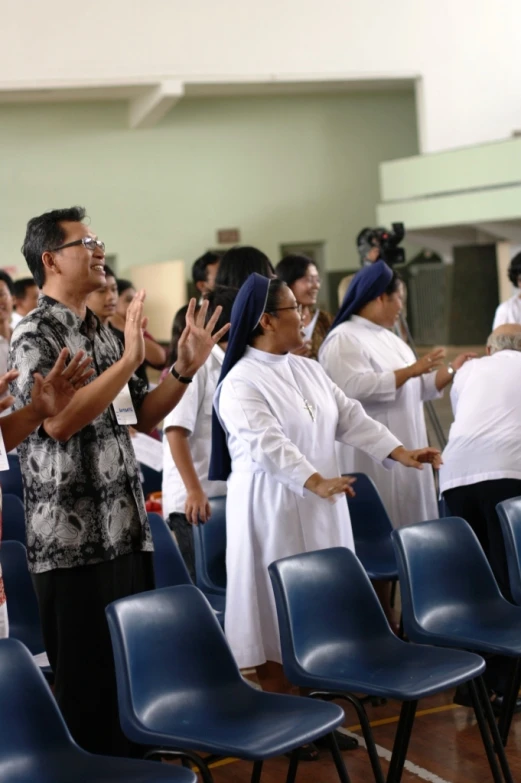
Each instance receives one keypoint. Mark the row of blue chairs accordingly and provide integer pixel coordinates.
(337, 645)
(335, 641)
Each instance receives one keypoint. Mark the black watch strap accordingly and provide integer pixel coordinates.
(180, 378)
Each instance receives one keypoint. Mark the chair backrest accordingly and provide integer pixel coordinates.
(11, 480)
(444, 575)
(22, 604)
(323, 598)
(29, 716)
(509, 513)
(169, 566)
(369, 519)
(168, 647)
(210, 549)
(13, 519)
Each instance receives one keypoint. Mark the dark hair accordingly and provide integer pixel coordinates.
(293, 267)
(394, 285)
(8, 280)
(272, 302)
(178, 325)
(108, 271)
(514, 270)
(45, 233)
(238, 263)
(199, 267)
(224, 296)
(20, 286)
(124, 285)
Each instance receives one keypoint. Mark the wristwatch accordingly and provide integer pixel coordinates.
(180, 378)
(451, 370)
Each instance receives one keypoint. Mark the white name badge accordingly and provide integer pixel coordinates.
(4, 462)
(124, 408)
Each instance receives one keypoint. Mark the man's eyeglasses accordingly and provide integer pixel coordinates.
(297, 307)
(89, 243)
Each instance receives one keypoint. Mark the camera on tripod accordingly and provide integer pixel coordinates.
(387, 243)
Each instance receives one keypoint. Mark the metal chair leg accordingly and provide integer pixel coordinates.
(337, 758)
(401, 742)
(487, 742)
(256, 772)
(509, 703)
(365, 725)
(494, 730)
(192, 757)
(293, 765)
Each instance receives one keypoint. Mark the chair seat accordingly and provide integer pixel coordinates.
(377, 558)
(71, 765)
(391, 669)
(243, 721)
(496, 630)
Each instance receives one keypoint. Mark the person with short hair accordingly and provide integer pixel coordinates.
(103, 300)
(482, 459)
(155, 354)
(25, 298)
(509, 312)
(187, 433)
(88, 538)
(204, 271)
(6, 313)
(301, 274)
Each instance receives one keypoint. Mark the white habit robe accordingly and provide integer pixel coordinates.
(361, 357)
(275, 446)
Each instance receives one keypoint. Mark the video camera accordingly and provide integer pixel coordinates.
(386, 241)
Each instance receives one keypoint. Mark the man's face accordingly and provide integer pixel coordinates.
(209, 283)
(6, 302)
(103, 301)
(29, 300)
(77, 267)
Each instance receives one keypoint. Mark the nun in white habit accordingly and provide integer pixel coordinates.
(277, 418)
(370, 363)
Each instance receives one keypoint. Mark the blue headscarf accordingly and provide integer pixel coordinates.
(246, 314)
(369, 283)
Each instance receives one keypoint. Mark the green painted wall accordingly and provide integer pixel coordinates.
(282, 169)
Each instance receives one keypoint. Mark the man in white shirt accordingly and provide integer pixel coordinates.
(482, 460)
(509, 312)
(187, 445)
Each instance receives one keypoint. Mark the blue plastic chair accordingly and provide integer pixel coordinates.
(509, 513)
(22, 604)
(336, 640)
(450, 598)
(11, 480)
(372, 530)
(169, 567)
(13, 519)
(35, 744)
(210, 550)
(179, 688)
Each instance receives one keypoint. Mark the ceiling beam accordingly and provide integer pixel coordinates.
(148, 109)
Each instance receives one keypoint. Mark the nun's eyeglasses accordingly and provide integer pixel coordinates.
(297, 307)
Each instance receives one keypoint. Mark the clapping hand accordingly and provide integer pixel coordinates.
(134, 326)
(52, 394)
(428, 363)
(197, 340)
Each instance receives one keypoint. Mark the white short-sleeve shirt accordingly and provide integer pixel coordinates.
(485, 438)
(193, 413)
(508, 312)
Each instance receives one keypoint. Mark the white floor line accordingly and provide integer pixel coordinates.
(414, 769)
